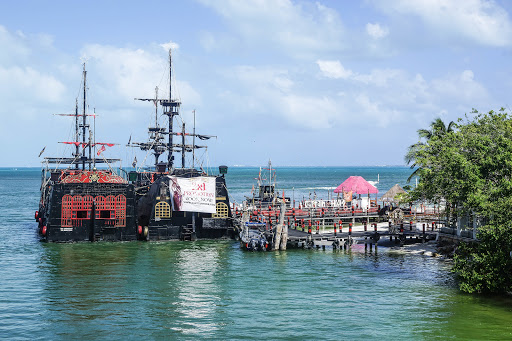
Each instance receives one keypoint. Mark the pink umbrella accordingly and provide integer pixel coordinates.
(356, 184)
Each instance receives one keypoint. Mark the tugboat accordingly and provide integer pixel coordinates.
(178, 203)
(79, 202)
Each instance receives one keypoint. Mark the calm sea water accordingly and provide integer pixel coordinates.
(213, 290)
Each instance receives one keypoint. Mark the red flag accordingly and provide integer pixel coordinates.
(75, 143)
(101, 149)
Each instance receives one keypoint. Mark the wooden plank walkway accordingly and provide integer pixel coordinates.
(394, 235)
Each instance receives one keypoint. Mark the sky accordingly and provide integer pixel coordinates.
(303, 83)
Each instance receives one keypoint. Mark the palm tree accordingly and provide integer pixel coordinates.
(437, 129)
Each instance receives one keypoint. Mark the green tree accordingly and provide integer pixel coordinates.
(471, 168)
(486, 266)
(437, 129)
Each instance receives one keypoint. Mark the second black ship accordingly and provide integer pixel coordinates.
(178, 202)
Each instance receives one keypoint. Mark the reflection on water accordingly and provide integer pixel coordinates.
(213, 290)
(198, 291)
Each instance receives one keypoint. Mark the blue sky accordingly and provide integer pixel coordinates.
(325, 83)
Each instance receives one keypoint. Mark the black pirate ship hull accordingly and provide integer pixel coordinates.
(158, 218)
(73, 211)
(178, 203)
(82, 210)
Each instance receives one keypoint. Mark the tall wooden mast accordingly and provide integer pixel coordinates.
(171, 108)
(84, 121)
(174, 107)
(81, 157)
(77, 134)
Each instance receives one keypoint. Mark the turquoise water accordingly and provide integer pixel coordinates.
(213, 290)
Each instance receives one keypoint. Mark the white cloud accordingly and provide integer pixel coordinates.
(481, 21)
(14, 46)
(130, 73)
(271, 92)
(333, 69)
(377, 113)
(23, 78)
(309, 111)
(462, 87)
(381, 97)
(123, 71)
(376, 31)
(378, 77)
(294, 29)
(170, 46)
(384, 96)
(32, 84)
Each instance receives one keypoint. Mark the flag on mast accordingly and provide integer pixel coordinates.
(101, 150)
(134, 163)
(42, 151)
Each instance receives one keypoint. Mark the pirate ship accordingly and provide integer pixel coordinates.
(80, 202)
(178, 202)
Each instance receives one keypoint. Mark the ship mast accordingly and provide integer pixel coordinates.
(175, 107)
(77, 134)
(156, 133)
(83, 122)
(171, 109)
(81, 157)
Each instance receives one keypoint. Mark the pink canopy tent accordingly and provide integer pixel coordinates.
(356, 184)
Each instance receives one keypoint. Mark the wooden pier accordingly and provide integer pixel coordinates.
(284, 227)
(398, 235)
(282, 236)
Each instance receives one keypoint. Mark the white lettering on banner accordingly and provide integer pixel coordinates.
(323, 203)
(193, 194)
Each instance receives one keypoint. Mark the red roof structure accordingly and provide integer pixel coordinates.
(356, 184)
(87, 177)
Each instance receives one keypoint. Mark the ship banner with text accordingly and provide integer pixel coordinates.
(193, 194)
